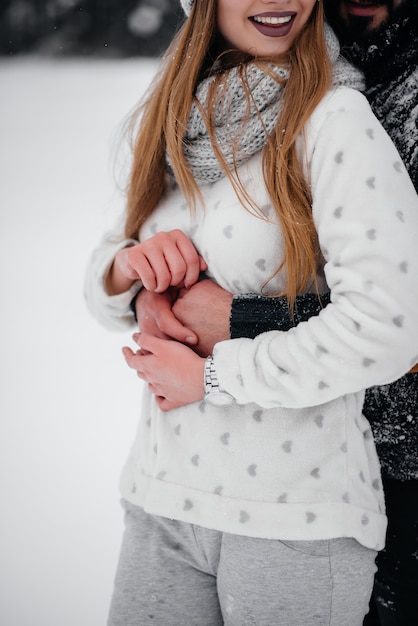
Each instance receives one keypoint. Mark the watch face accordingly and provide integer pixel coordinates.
(219, 398)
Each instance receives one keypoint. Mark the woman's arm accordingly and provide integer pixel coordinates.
(113, 311)
(120, 267)
(366, 213)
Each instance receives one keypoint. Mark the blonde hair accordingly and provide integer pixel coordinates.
(164, 118)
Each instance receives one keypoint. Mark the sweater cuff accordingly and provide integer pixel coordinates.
(252, 314)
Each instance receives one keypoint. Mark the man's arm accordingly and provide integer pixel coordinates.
(205, 314)
(214, 314)
(252, 314)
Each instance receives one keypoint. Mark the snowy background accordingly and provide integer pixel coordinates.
(108, 28)
(68, 402)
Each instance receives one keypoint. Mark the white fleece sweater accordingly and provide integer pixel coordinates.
(294, 458)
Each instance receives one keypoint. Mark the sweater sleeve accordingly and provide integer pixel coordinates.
(113, 312)
(365, 210)
(253, 314)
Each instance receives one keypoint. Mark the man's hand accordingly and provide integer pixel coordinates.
(174, 373)
(205, 309)
(155, 316)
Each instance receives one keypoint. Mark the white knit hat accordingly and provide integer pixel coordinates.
(187, 6)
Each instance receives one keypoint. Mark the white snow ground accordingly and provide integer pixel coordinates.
(68, 403)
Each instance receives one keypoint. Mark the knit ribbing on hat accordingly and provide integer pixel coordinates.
(187, 6)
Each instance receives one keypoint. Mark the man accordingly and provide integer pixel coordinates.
(380, 37)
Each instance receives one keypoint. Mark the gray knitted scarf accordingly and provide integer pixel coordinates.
(242, 125)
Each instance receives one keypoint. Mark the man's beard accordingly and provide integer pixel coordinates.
(356, 27)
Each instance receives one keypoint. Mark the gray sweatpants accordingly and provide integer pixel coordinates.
(172, 573)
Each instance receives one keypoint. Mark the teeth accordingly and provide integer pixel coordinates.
(272, 20)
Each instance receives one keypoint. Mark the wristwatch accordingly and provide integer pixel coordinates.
(213, 394)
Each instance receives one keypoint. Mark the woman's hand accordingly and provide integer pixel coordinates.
(174, 372)
(168, 259)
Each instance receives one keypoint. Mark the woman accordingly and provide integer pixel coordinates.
(253, 491)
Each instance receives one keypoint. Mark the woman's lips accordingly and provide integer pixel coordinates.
(274, 24)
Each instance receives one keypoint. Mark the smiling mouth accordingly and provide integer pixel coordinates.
(363, 7)
(367, 2)
(274, 24)
(272, 21)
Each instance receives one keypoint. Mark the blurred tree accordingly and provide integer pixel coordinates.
(87, 27)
